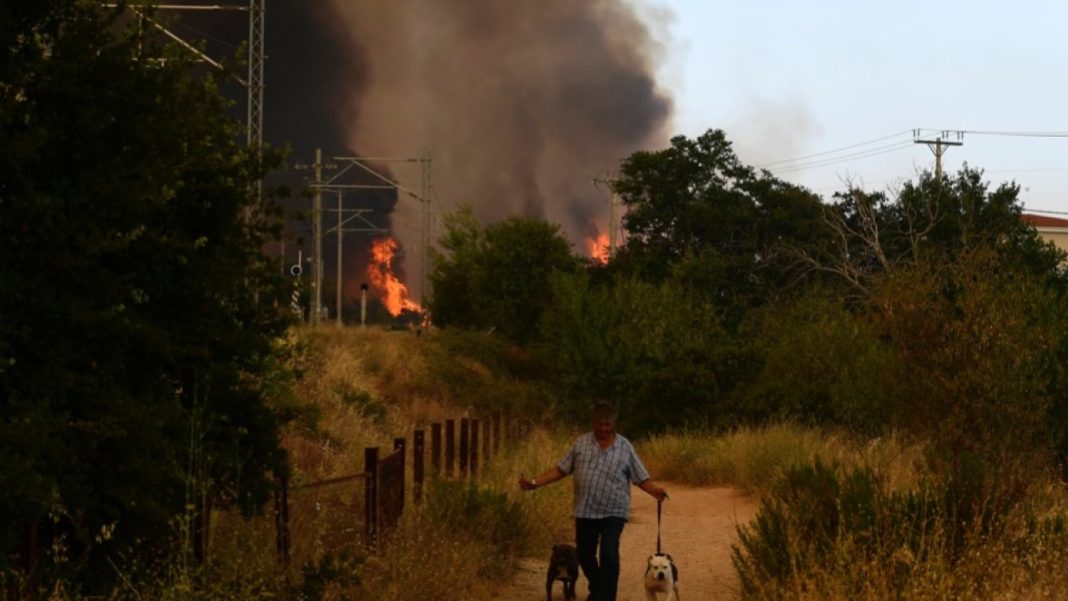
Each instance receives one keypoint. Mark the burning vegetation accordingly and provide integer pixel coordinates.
(393, 292)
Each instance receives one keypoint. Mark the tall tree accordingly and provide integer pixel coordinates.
(695, 201)
(497, 276)
(137, 314)
(871, 233)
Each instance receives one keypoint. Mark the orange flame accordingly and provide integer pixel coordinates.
(380, 272)
(599, 248)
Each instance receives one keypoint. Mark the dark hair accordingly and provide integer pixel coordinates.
(605, 410)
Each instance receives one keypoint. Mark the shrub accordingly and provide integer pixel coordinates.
(827, 523)
(468, 509)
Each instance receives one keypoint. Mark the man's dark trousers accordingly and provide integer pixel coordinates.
(603, 576)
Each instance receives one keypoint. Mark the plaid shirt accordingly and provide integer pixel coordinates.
(603, 476)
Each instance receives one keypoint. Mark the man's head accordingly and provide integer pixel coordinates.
(604, 421)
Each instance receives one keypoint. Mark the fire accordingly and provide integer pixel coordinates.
(599, 249)
(380, 272)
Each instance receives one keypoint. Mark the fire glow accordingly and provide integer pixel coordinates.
(380, 273)
(598, 248)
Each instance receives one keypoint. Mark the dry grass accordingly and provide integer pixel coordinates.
(1017, 563)
(751, 459)
(362, 388)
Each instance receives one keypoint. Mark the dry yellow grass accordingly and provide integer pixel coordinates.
(362, 388)
(752, 458)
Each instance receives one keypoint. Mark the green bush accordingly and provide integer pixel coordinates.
(468, 509)
(823, 519)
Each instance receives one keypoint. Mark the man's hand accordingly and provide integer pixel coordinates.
(526, 483)
(654, 490)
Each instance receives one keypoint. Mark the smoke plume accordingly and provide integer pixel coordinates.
(520, 104)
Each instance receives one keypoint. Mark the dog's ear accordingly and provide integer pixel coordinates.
(668, 555)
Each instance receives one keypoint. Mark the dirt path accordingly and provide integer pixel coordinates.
(698, 529)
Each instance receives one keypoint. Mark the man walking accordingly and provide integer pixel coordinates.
(604, 464)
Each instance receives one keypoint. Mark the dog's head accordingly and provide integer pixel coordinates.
(661, 567)
(564, 561)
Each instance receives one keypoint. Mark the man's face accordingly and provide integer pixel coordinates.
(603, 429)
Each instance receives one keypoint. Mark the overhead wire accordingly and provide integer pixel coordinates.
(1010, 133)
(836, 150)
(844, 158)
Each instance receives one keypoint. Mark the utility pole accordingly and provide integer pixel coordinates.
(424, 196)
(939, 146)
(340, 242)
(317, 238)
(254, 119)
(340, 228)
(613, 223)
(254, 80)
(424, 294)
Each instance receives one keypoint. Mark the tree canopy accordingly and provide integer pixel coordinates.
(137, 314)
(497, 276)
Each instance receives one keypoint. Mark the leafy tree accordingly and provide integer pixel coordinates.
(869, 233)
(972, 339)
(659, 351)
(138, 312)
(819, 363)
(497, 276)
(696, 202)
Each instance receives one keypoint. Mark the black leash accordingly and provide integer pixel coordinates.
(659, 503)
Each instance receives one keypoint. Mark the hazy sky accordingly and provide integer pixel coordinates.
(788, 79)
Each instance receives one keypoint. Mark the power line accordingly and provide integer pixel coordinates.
(1017, 134)
(836, 150)
(846, 158)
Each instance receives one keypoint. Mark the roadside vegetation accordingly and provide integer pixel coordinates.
(886, 370)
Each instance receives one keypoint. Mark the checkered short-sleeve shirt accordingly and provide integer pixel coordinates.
(603, 476)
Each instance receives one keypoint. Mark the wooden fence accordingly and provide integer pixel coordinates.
(385, 481)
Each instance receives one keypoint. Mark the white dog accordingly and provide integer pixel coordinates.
(661, 576)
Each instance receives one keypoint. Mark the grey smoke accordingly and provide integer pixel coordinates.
(520, 103)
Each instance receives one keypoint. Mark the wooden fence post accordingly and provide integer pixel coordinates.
(370, 502)
(474, 448)
(496, 432)
(435, 448)
(465, 445)
(281, 518)
(400, 446)
(417, 468)
(485, 442)
(450, 446)
(26, 589)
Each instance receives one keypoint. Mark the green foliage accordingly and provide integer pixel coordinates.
(466, 508)
(657, 351)
(497, 276)
(971, 340)
(821, 363)
(823, 520)
(695, 201)
(138, 309)
(332, 570)
(366, 404)
(868, 234)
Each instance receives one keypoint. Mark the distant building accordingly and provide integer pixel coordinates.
(1052, 229)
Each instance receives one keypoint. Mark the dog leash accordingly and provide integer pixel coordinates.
(659, 503)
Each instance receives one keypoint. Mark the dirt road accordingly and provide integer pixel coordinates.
(698, 529)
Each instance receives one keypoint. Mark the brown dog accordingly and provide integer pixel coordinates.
(563, 566)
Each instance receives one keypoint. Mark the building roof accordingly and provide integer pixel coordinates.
(1043, 220)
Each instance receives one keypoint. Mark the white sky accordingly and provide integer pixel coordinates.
(787, 79)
